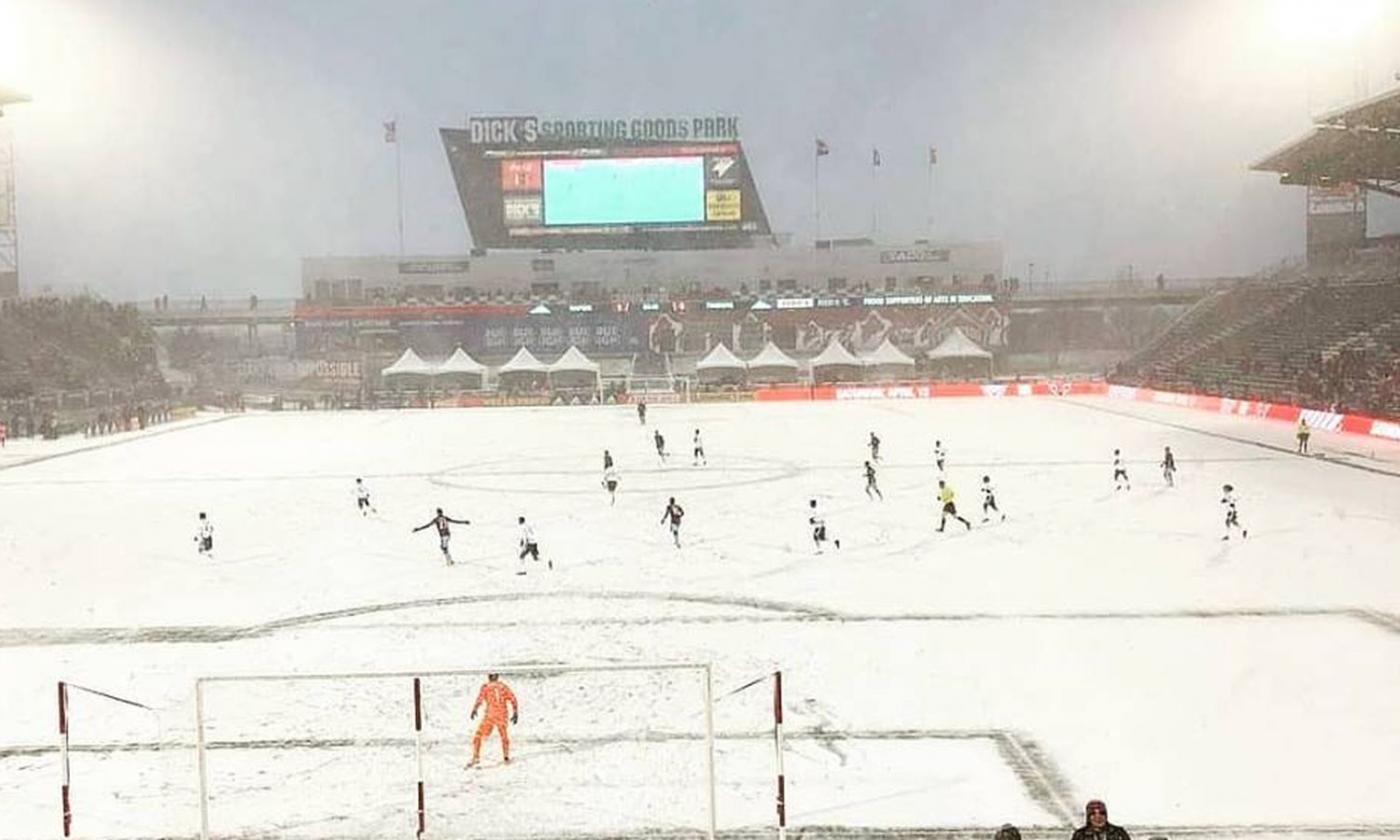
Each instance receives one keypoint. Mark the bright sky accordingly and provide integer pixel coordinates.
(204, 147)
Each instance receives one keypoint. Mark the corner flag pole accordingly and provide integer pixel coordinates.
(63, 757)
(778, 746)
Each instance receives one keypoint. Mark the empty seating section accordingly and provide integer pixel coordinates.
(1316, 344)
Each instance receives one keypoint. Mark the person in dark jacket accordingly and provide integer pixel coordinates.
(1096, 825)
(1008, 832)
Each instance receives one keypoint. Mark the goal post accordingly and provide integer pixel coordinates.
(599, 749)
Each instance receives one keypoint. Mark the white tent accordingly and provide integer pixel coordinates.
(409, 364)
(887, 361)
(956, 345)
(460, 362)
(958, 353)
(573, 372)
(772, 365)
(523, 362)
(573, 361)
(835, 363)
(461, 369)
(720, 357)
(720, 365)
(522, 373)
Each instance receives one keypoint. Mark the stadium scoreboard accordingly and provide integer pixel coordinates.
(642, 183)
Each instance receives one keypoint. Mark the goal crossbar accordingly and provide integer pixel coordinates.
(704, 668)
(532, 670)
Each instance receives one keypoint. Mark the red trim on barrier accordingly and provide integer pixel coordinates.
(1318, 420)
(924, 390)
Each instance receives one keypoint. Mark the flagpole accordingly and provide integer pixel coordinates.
(929, 197)
(817, 194)
(398, 181)
(874, 199)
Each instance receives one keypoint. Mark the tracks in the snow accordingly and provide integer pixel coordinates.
(760, 611)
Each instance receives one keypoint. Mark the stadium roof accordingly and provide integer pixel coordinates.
(1359, 143)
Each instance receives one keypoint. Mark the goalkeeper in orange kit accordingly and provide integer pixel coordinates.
(500, 704)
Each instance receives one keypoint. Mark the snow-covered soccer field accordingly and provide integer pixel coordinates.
(1095, 644)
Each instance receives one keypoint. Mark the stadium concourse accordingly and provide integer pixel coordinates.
(1095, 644)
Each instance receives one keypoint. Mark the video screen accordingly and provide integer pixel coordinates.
(624, 191)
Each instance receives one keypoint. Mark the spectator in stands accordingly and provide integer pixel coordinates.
(1096, 825)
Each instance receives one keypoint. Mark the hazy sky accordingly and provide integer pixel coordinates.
(204, 147)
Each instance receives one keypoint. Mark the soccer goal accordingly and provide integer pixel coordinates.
(621, 750)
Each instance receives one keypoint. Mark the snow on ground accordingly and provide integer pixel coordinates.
(1093, 644)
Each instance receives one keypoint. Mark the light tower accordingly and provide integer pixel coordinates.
(9, 221)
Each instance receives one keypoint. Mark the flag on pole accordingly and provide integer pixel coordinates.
(391, 131)
(822, 148)
(874, 157)
(932, 155)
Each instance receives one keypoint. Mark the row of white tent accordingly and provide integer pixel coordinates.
(411, 364)
(718, 361)
(955, 346)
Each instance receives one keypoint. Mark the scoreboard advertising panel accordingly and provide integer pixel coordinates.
(641, 183)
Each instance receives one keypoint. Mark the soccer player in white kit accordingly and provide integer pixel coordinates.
(362, 498)
(989, 500)
(204, 537)
(528, 545)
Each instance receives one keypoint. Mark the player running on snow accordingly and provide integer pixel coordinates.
(1232, 514)
(945, 495)
(818, 524)
(362, 501)
(607, 460)
(660, 445)
(939, 454)
(1169, 466)
(674, 513)
(642, 411)
(1303, 434)
(500, 707)
(874, 447)
(528, 546)
(872, 489)
(989, 499)
(441, 520)
(204, 537)
(610, 482)
(1120, 473)
(697, 455)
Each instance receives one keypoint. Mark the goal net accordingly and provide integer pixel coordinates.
(597, 750)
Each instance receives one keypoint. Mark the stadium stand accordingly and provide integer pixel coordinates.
(1319, 344)
(64, 361)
